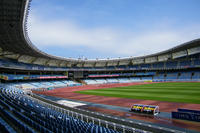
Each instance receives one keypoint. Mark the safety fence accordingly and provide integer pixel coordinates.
(112, 122)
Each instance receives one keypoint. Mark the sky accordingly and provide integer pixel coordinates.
(111, 28)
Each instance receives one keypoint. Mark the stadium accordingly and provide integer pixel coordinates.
(45, 93)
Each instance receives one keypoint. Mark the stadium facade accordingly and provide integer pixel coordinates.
(23, 65)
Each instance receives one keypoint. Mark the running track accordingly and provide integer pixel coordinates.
(68, 93)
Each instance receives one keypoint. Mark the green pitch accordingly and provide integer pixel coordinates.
(171, 92)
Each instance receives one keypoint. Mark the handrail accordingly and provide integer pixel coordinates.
(126, 125)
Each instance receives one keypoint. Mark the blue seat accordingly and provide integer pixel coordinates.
(43, 119)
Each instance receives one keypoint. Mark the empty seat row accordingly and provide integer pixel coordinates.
(32, 117)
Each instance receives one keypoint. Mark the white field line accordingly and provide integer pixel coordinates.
(70, 103)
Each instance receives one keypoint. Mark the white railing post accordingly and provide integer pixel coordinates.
(106, 124)
(92, 120)
(123, 129)
(114, 126)
(99, 122)
(133, 130)
(82, 117)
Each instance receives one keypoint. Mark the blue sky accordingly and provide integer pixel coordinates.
(112, 28)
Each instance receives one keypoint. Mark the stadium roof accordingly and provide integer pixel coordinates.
(15, 43)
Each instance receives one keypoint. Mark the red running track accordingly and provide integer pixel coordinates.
(68, 92)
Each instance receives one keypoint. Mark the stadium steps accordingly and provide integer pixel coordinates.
(5, 127)
(14, 122)
(13, 126)
(36, 118)
(20, 116)
(80, 81)
(7, 108)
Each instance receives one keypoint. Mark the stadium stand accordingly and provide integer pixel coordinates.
(171, 65)
(90, 81)
(159, 77)
(159, 65)
(6, 76)
(135, 79)
(197, 62)
(101, 81)
(185, 64)
(124, 80)
(196, 76)
(4, 126)
(112, 80)
(41, 85)
(146, 78)
(185, 76)
(30, 116)
(145, 66)
(172, 76)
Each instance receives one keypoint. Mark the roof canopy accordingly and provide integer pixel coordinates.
(15, 43)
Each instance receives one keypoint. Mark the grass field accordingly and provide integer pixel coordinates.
(171, 92)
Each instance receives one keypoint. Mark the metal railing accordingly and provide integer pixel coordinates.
(113, 122)
(89, 119)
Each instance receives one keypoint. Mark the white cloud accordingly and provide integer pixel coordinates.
(66, 33)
